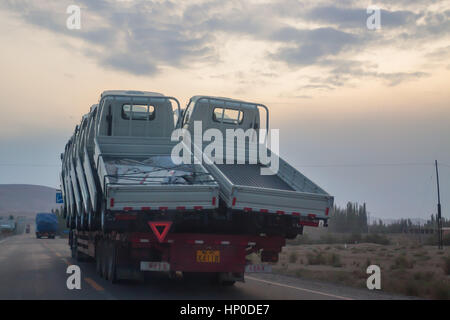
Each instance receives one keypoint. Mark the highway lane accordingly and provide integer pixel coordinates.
(33, 268)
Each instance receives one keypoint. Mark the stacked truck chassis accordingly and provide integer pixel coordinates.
(132, 206)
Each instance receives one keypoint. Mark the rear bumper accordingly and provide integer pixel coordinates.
(186, 252)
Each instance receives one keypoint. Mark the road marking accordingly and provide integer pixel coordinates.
(57, 254)
(300, 289)
(94, 284)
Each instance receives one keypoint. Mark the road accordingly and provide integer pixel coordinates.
(33, 268)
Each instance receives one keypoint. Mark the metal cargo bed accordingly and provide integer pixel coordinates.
(248, 175)
(138, 173)
(242, 187)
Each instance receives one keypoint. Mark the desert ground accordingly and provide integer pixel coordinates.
(408, 264)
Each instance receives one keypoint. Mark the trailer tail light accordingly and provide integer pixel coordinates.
(146, 208)
(127, 208)
(111, 202)
(247, 209)
(264, 210)
(214, 201)
(280, 212)
(311, 216)
(234, 202)
(327, 211)
(181, 208)
(163, 208)
(198, 207)
(296, 214)
(309, 223)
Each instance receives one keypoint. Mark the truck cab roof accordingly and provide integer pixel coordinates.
(130, 93)
(236, 102)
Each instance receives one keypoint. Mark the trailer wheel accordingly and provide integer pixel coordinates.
(104, 259)
(112, 262)
(98, 262)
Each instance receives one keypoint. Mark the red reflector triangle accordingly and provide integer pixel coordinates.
(160, 229)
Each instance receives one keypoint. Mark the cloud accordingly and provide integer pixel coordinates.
(140, 37)
(345, 72)
(356, 17)
(136, 37)
(311, 45)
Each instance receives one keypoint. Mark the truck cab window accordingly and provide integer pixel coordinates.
(228, 116)
(138, 112)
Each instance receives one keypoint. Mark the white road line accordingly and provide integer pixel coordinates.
(300, 289)
(4, 240)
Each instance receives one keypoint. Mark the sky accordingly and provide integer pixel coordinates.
(363, 113)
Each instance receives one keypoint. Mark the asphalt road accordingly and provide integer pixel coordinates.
(33, 268)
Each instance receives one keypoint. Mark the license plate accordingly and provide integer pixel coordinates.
(208, 256)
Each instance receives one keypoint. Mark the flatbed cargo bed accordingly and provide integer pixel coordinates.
(139, 174)
(249, 175)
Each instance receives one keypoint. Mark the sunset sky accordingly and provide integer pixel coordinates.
(363, 113)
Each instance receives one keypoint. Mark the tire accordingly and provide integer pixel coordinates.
(112, 263)
(98, 257)
(104, 260)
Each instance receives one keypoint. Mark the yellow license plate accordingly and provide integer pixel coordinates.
(208, 256)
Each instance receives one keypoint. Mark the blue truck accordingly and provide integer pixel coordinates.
(46, 225)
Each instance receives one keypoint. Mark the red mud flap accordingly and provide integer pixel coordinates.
(258, 268)
(154, 266)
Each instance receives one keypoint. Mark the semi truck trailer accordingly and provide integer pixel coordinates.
(133, 206)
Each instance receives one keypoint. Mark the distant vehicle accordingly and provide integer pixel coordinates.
(46, 225)
(27, 229)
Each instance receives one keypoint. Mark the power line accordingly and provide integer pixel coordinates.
(369, 164)
(28, 165)
(406, 164)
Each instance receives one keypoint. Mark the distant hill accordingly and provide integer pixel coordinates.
(25, 199)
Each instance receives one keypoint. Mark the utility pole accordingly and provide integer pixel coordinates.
(439, 216)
